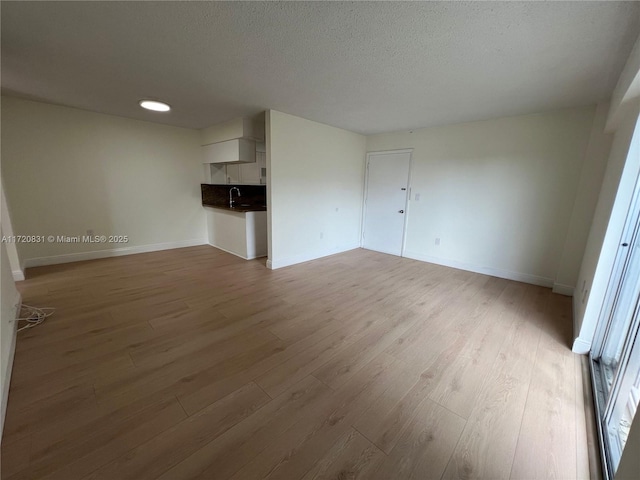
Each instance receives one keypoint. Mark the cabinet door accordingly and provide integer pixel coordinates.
(237, 151)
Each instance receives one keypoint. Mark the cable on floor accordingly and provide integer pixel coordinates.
(34, 316)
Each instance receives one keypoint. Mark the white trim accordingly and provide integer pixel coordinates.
(306, 257)
(235, 253)
(581, 346)
(116, 252)
(495, 272)
(9, 367)
(563, 289)
(18, 275)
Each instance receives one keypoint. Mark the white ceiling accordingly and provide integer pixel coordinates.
(366, 67)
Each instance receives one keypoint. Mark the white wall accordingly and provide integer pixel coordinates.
(498, 193)
(606, 230)
(622, 173)
(625, 95)
(314, 188)
(584, 206)
(620, 178)
(12, 250)
(67, 171)
(9, 300)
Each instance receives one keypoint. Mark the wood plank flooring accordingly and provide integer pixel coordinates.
(195, 364)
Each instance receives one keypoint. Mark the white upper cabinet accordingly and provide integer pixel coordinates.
(246, 127)
(240, 150)
(233, 141)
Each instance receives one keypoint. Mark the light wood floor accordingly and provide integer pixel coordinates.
(192, 363)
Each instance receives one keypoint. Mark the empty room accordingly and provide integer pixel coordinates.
(320, 240)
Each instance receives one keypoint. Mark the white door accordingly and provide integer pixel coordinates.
(386, 201)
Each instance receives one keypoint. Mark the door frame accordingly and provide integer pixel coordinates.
(366, 192)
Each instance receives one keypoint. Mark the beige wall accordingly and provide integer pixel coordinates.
(498, 193)
(315, 186)
(67, 171)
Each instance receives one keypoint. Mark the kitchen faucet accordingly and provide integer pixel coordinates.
(231, 195)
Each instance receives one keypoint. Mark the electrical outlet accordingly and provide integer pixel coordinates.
(417, 197)
(321, 235)
(438, 241)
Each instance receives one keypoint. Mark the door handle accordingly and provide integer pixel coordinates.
(400, 211)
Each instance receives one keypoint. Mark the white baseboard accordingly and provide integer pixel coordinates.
(235, 253)
(563, 289)
(581, 346)
(494, 272)
(115, 252)
(8, 368)
(18, 275)
(308, 256)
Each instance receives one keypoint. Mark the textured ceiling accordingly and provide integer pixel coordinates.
(366, 67)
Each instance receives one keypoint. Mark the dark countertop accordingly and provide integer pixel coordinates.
(239, 208)
(252, 199)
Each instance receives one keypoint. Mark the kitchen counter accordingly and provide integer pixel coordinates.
(239, 230)
(246, 198)
(238, 208)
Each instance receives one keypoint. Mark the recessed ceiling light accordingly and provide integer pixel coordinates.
(154, 105)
